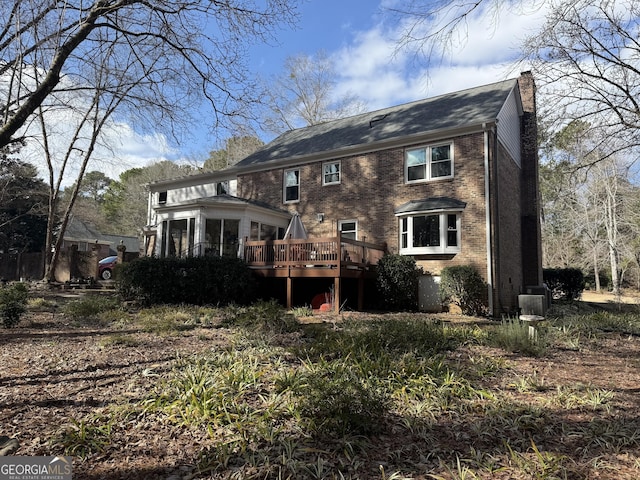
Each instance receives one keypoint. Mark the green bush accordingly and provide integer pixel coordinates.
(397, 282)
(463, 286)
(564, 283)
(13, 303)
(193, 280)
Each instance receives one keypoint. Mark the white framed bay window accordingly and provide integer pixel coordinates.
(431, 226)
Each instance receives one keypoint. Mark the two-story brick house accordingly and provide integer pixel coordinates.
(449, 180)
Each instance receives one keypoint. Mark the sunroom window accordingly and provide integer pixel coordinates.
(429, 163)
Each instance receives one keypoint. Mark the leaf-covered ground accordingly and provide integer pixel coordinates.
(59, 377)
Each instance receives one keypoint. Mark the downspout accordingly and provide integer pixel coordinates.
(487, 207)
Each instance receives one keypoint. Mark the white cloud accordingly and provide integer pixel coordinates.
(120, 148)
(372, 68)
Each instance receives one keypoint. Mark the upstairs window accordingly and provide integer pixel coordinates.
(429, 163)
(331, 173)
(291, 186)
(162, 197)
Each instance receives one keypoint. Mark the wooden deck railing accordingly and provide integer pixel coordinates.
(328, 252)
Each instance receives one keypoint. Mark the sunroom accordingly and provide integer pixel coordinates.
(215, 225)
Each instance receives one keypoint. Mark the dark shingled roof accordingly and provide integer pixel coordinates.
(473, 106)
(430, 204)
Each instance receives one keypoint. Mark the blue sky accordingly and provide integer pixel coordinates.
(360, 38)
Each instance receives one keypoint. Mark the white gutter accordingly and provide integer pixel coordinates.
(488, 220)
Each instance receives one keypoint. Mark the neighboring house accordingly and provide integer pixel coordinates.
(449, 180)
(85, 236)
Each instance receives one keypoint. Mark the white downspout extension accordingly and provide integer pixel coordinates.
(488, 219)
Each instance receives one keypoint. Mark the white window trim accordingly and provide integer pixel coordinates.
(429, 178)
(284, 186)
(341, 222)
(324, 175)
(439, 250)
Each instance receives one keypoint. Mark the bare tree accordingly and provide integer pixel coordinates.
(433, 28)
(305, 94)
(179, 50)
(587, 59)
(94, 60)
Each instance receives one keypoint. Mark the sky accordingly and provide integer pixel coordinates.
(360, 38)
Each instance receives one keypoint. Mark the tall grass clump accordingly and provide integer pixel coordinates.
(514, 336)
(378, 338)
(90, 307)
(266, 316)
(337, 400)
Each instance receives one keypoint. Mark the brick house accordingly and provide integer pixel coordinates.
(449, 180)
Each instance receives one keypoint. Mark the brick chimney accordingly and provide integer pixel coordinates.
(530, 186)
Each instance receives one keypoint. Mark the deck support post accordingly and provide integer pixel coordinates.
(336, 294)
(360, 293)
(289, 292)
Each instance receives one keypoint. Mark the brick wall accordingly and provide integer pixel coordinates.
(372, 187)
(531, 229)
(507, 233)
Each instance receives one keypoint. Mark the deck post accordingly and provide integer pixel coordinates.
(289, 292)
(360, 293)
(336, 293)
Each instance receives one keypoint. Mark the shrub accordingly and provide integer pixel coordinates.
(463, 286)
(564, 283)
(193, 280)
(13, 300)
(397, 282)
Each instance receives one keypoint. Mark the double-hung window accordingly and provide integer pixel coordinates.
(291, 186)
(331, 173)
(432, 162)
(348, 228)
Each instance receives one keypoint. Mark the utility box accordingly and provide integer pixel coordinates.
(539, 290)
(532, 305)
(429, 294)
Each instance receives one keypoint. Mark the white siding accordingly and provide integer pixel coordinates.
(192, 192)
(509, 126)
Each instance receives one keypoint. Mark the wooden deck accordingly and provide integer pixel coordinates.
(329, 257)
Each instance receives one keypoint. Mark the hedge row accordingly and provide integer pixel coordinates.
(564, 283)
(193, 280)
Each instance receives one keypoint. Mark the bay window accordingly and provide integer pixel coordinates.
(430, 233)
